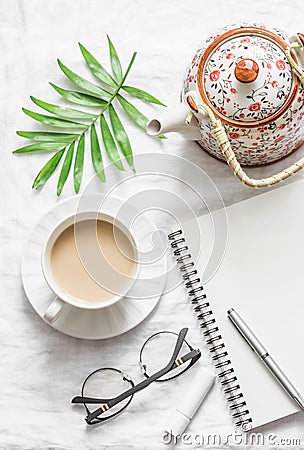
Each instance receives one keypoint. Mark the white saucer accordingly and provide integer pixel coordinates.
(96, 324)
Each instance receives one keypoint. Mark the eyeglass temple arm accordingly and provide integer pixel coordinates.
(89, 400)
(194, 355)
(144, 383)
(112, 402)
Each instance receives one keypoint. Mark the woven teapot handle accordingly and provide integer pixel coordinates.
(222, 139)
(220, 135)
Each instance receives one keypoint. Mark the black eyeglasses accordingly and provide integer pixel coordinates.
(119, 387)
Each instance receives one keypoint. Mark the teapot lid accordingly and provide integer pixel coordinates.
(246, 78)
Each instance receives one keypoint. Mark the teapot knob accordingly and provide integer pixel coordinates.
(246, 70)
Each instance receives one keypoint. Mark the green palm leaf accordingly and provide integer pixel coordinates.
(78, 165)
(78, 97)
(66, 113)
(84, 84)
(109, 144)
(135, 115)
(76, 124)
(53, 121)
(41, 147)
(46, 136)
(47, 170)
(96, 155)
(96, 68)
(142, 95)
(115, 62)
(65, 170)
(121, 137)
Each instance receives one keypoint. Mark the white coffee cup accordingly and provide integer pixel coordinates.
(61, 298)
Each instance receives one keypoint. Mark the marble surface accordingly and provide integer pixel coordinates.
(40, 368)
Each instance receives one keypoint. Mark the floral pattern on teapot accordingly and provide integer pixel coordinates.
(265, 144)
(254, 143)
(266, 95)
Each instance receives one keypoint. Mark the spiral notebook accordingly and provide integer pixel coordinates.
(261, 276)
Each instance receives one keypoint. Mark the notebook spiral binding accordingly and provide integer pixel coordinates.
(211, 332)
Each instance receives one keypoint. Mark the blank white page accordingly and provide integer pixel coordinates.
(262, 277)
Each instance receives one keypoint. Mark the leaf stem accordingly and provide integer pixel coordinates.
(105, 107)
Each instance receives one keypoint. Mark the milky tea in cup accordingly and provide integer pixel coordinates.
(92, 260)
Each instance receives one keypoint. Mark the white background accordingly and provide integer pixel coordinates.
(40, 368)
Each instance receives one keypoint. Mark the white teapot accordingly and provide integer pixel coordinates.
(243, 99)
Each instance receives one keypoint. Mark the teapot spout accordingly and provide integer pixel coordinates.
(174, 121)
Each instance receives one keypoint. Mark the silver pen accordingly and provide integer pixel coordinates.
(269, 362)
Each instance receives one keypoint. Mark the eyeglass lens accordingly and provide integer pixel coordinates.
(107, 383)
(156, 352)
